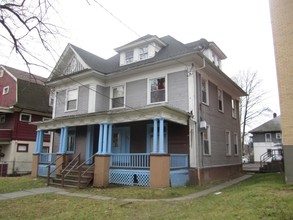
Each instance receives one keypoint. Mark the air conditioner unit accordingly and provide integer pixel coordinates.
(203, 124)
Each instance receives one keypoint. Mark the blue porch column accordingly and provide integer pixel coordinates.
(100, 144)
(63, 140)
(89, 143)
(105, 135)
(39, 141)
(155, 136)
(109, 150)
(105, 139)
(161, 137)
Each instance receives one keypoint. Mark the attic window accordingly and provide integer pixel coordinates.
(5, 90)
(143, 53)
(129, 56)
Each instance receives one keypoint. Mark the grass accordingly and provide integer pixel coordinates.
(264, 196)
(12, 184)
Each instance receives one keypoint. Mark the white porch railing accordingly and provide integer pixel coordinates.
(178, 161)
(134, 160)
(46, 158)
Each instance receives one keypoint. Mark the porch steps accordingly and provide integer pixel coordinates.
(273, 166)
(72, 177)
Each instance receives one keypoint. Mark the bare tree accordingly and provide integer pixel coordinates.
(251, 106)
(23, 23)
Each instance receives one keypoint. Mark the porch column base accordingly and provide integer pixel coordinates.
(35, 165)
(61, 159)
(159, 170)
(102, 168)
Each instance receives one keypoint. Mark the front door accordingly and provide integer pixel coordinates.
(120, 140)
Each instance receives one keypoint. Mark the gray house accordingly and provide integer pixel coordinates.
(160, 113)
(267, 137)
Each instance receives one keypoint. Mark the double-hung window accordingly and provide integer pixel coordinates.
(158, 90)
(268, 137)
(233, 106)
(228, 142)
(235, 144)
(71, 103)
(129, 56)
(205, 140)
(220, 100)
(204, 91)
(143, 53)
(25, 117)
(118, 97)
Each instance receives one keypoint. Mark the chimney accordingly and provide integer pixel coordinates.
(275, 115)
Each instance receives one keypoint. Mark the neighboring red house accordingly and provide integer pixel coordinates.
(23, 99)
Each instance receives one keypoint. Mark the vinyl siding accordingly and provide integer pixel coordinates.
(136, 94)
(102, 98)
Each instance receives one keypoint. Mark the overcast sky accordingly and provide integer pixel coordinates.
(241, 28)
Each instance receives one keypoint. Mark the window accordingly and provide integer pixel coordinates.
(71, 103)
(1, 73)
(25, 117)
(22, 148)
(233, 105)
(150, 139)
(2, 119)
(278, 135)
(118, 97)
(235, 144)
(268, 137)
(228, 142)
(51, 98)
(204, 91)
(143, 53)
(5, 90)
(158, 90)
(205, 140)
(220, 101)
(45, 149)
(129, 56)
(71, 140)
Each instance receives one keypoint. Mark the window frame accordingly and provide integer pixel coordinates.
(2, 118)
(150, 90)
(233, 108)
(220, 94)
(67, 100)
(206, 83)
(236, 147)
(25, 114)
(5, 90)
(129, 59)
(206, 131)
(266, 139)
(71, 136)
(228, 143)
(143, 52)
(26, 146)
(112, 96)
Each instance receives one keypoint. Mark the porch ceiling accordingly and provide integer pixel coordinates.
(117, 116)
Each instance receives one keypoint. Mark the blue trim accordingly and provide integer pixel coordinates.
(100, 139)
(65, 139)
(155, 136)
(161, 136)
(89, 143)
(109, 138)
(105, 135)
(36, 144)
(61, 140)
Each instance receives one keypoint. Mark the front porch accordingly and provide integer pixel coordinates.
(147, 152)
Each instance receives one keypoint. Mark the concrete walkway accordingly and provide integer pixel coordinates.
(63, 192)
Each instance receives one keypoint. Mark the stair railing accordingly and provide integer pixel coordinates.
(73, 163)
(272, 154)
(49, 169)
(82, 174)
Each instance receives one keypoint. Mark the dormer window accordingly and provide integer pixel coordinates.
(129, 56)
(143, 53)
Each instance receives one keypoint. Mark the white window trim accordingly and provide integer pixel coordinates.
(149, 90)
(221, 99)
(129, 60)
(228, 147)
(235, 136)
(66, 99)
(111, 96)
(266, 140)
(233, 110)
(207, 90)
(208, 130)
(5, 90)
(144, 54)
(30, 117)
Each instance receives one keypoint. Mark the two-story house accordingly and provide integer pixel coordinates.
(267, 138)
(159, 113)
(23, 99)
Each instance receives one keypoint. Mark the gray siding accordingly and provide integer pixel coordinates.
(82, 105)
(102, 98)
(136, 94)
(260, 137)
(220, 122)
(178, 90)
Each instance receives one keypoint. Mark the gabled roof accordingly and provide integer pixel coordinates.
(270, 126)
(32, 94)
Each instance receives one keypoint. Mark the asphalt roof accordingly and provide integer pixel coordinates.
(269, 126)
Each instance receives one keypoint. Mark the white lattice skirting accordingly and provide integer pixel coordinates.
(130, 177)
